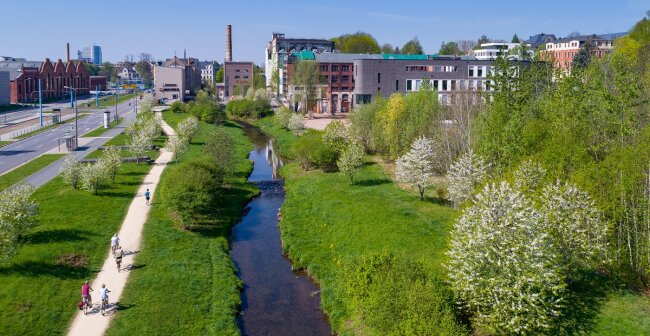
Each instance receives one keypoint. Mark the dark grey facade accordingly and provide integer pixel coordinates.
(373, 77)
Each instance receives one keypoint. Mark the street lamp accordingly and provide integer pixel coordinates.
(76, 110)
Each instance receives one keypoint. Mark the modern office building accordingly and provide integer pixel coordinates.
(91, 54)
(177, 78)
(493, 50)
(280, 48)
(4, 88)
(237, 78)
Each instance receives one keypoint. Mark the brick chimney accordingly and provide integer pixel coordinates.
(228, 43)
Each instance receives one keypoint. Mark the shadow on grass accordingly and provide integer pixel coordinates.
(123, 306)
(436, 200)
(59, 235)
(219, 222)
(116, 194)
(369, 164)
(584, 300)
(39, 269)
(372, 182)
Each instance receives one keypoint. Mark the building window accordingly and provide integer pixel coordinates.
(409, 85)
(480, 72)
(345, 68)
(345, 79)
(397, 85)
(363, 98)
(435, 84)
(444, 85)
(324, 67)
(335, 79)
(378, 78)
(335, 67)
(471, 71)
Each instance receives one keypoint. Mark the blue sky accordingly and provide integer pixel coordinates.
(30, 29)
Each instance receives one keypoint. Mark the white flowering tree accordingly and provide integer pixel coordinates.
(17, 215)
(336, 135)
(139, 145)
(416, 166)
(282, 116)
(464, 175)
(351, 160)
(575, 225)
(261, 95)
(529, 177)
(147, 103)
(176, 145)
(93, 176)
(503, 267)
(112, 160)
(296, 123)
(71, 171)
(187, 128)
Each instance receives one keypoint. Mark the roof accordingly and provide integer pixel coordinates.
(304, 55)
(540, 39)
(406, 56)
(14, 65)
(581, 38)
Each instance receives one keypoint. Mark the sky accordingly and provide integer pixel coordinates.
(32, 30)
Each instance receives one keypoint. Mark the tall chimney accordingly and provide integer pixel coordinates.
(228, 44)
(67, 52)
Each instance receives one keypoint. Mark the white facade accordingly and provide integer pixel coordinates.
(492, 50)
(127, 73)
(208, 73)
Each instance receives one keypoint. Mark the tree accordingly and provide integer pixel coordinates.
(413, 47)
(574, 34)
(481, 40)
(307, 76)
(176, 145)
(515, 39)
(93, 176)
(358, 42)
(465, 46)
(386, 48)
(503, 267)
(220, 147)
(112, 160)
(219, 75)
(93, 69)
(17, 215)
(582, 59)
(282, 116)
(109, 71)
(188, 128)
(296, 123)
(145, 57)
(143, 68)
(71, 171)
(336, 135)
(464, 175)
(275, 81)
(351, 160)
(416, 166)
(147, 103)
(138, 145)
(449, 48)
(529, 177)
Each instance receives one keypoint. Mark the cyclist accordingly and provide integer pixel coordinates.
(115, 242)
(85, 293)
(119, 253)
(103, 294)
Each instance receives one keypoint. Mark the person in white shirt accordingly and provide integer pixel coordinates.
(115, 242)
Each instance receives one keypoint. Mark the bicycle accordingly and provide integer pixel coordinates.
(103, 306)
(88, 305)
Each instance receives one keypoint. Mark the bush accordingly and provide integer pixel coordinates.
(178, 107)
(396, 296)
(220, 147)
(282, 116)
(248, 108)
(190, 191)
(312, 152)
(207, 111)
(296, 123)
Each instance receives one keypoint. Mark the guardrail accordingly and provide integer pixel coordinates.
(17, 115)
(15, 134)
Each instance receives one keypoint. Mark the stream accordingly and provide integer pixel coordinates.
(275, 299)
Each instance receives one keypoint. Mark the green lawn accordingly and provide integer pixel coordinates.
(39, 287)
(31, 167)
(284, 138)
(99, 131)
(187, 284)
(4, 143)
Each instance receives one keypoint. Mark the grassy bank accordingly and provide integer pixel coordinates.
(39, 287)
(27, 169)
(99, 131)
(328, 224)
(187, 284)
(283, 138)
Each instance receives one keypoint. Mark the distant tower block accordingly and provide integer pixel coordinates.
(228, 43)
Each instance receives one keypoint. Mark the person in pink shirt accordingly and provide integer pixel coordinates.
(85, 292)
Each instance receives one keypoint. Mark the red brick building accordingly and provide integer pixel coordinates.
(54, 78)
(237, 77)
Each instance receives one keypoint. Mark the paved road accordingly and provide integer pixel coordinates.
(27, 149)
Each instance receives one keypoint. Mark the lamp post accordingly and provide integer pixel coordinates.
(76, 110)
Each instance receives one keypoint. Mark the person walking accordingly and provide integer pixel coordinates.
(103, 295)
(147, 196)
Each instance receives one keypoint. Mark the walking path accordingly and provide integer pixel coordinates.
(130, 236)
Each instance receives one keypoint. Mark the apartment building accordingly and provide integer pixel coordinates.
(208, 71)
(562, 51)
(493, 50)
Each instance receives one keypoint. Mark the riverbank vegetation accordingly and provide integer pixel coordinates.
(547, 154)
(190, 265)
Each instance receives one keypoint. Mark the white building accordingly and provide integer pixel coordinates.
(492, 50)
(127, 73)
(209, 71)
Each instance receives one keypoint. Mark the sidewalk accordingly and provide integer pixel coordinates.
(130, 236)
